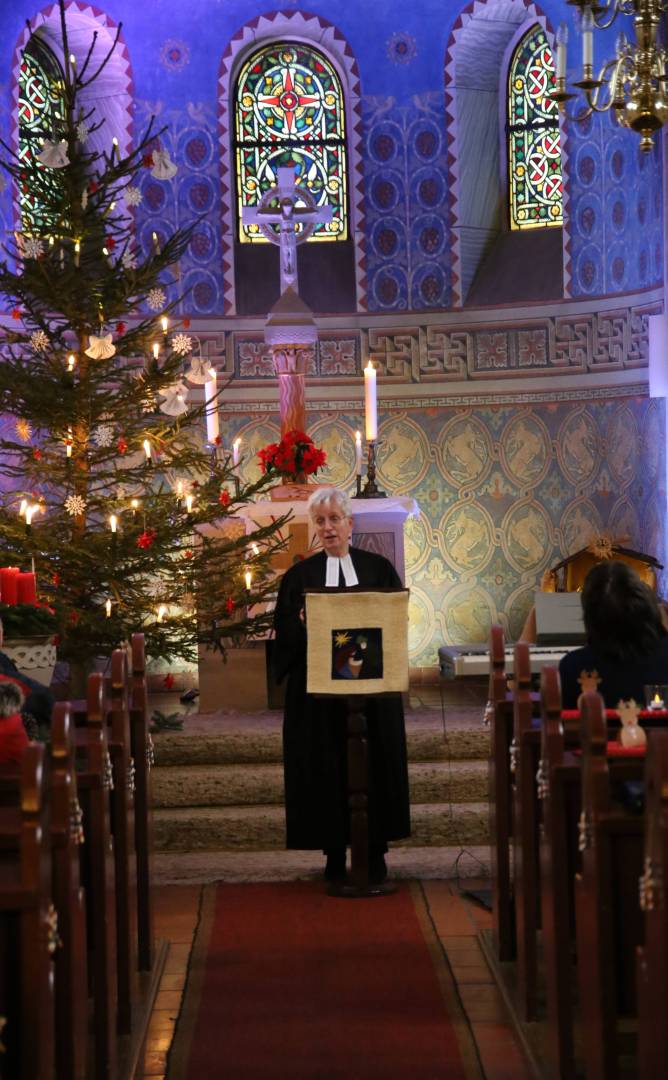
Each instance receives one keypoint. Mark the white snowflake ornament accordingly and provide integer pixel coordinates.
(175, 396)
(199, 371)
(31, 247)
(104, 435)
(82, 131)
(100, 348)
(182, 344)
(74, 504)
(84, 198)
(156, 299)
(133, 196)
(39, 341)
(163, 166)
(54, 154)
(129, 260)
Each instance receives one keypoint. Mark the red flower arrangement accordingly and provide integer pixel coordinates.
(295, 456)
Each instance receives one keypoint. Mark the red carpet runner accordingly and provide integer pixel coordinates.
(287, 982)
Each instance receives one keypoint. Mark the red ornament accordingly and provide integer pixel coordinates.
(148, 161)
(37, 454)
(218, 440)
(168, 681)
(16, 313)
(188, 553)
(224, 498)
(121, 445)
(229, 605)
(145, 539)
(74, 617)
(186, 323)
(92, 187)
(110, 243)
(55, 580)
(120, 328)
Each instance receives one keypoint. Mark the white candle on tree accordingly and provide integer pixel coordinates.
(370, 403)
(358, 453)
(236, 447)
(211, 390)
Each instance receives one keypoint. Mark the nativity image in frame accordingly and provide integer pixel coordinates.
(357, 641)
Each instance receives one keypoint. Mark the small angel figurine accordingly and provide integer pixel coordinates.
(199, 370)
(100, 348)
(163, 166)
(54, 154)
(175, 396)
(630, 733)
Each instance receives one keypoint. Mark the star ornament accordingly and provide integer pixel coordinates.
(341, 638)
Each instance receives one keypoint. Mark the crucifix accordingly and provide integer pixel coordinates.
(296, 207)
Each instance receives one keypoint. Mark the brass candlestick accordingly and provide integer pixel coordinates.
(371, 489)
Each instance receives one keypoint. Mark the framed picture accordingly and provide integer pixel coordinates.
(357, 641)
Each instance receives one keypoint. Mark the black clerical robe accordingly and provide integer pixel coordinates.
(315, 729)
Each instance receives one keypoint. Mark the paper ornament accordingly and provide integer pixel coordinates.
(175, 396)
(163, 166)
(82, 131)
(75, 504)
(182, 344)
(129, 260)
(30, 247)
(39, 341)
(133, 196)
(199, 371)
(104, 435)
(100, 348)
(156, 299)
(54, 154)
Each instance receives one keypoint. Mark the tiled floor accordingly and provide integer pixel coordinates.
(457, 921)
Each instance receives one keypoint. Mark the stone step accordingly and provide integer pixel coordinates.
(262, 785)
(265, 746)
(262, 828)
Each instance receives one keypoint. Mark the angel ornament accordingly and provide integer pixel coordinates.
(163, 166)
(630, 733)
(100, 348)
(175, 396)
(199, 372)
(54, 154)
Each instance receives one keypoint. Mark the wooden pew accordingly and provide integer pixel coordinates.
(95, 780)
(28, 927)
(500, 810)
(123, 830)
(525, 750)
(67, 834)
(608, 918)
(142, 753)
(652, 956)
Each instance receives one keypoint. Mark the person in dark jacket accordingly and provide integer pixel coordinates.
(38, 705)
(315, 731)
(627, 642)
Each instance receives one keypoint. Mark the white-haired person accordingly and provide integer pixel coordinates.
(315, 730)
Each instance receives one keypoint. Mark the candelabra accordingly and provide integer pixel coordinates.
(633, 82)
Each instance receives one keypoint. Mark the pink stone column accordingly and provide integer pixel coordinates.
(290, 364)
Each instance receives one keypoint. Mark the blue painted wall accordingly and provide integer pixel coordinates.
(616, 213)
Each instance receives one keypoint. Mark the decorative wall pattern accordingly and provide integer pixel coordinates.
(616, 210)
(504, 493)
(408, 233)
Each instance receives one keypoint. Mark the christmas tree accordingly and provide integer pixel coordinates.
(113, 490)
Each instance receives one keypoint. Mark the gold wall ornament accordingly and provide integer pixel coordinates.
(633, 82)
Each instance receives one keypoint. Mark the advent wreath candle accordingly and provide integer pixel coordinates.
(26, 588)
(9, 584)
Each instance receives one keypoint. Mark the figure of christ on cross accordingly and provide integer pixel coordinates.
(296, 206)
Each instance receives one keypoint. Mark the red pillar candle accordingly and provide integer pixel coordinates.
(26, 589)
(8, 583)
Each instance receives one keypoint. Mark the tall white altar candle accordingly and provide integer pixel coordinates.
(210, 390)
(370, 403)
(358, 453)
(236, 446)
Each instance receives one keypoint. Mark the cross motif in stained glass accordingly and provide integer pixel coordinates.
(534, 151)
(289, 112)
(40, 114)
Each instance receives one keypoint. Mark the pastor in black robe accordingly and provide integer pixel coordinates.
(315, 729)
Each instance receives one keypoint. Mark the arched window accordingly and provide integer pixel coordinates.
(289, 111)
(40, 113)
(534, 154)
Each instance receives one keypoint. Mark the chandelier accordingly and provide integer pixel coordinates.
(634, 81)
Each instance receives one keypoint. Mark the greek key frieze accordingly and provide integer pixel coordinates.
(394, 352)
(572, 343)
(446, 355)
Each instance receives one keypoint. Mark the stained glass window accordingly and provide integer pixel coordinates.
(40, 112)
(534, 152)
(290, 112)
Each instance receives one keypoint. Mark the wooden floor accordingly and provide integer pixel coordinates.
(457, 921)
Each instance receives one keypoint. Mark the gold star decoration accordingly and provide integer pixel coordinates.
(341, 638)
(23, 429)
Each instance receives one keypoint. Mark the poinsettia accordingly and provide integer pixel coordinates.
(295, 454)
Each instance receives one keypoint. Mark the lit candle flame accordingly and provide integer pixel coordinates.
(134, 503)
(162, 611)
(248, 577)
(164, 322)
(147, 449)
(71, 361)
(107, 607)
(189, 502)
(113, 522)
(156, 350)
(23, 507)
(179, 489)
(30, 511)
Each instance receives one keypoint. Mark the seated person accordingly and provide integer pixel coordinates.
(627, 640)
(38, 704)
